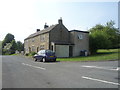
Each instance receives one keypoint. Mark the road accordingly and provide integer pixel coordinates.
(21, 72)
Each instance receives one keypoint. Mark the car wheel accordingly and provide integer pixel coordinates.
(35, 59)
(54, 60)
(43, 59)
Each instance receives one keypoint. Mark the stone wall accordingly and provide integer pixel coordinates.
(37, 43)
(59, 34)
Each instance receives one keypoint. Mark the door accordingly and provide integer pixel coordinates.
(62, 51)
(70, 51)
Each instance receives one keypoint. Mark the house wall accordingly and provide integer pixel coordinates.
(79, 44)
(59, 34)
(37, 43)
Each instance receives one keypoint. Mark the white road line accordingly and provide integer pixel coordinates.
(100, 80)
(105, 68)
(34, 66)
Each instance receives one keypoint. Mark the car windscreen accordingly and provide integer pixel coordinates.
(41, 52)
(49, 52)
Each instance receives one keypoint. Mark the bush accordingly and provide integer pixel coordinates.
(32, 53)
(26, 54)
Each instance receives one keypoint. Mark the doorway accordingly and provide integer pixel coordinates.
(70, 51)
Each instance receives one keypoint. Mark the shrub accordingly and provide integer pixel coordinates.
(26, 54)
(32, 53)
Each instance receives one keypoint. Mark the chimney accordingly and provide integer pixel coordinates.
(60, 20)
(46, 26)
(38, 30)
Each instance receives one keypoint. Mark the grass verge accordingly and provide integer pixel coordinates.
(102, 55)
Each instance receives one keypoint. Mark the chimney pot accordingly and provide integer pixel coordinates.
(60, 20)
(45, 26)
(38, 30)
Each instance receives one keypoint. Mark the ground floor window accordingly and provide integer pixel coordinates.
(33, 48)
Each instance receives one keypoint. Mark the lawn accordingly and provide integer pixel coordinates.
(102, 55)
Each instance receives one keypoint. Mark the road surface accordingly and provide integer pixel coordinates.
(21, 72)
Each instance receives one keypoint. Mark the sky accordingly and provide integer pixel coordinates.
(22, 17)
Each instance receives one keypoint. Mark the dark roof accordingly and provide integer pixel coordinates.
(42, 31)
(79, 31)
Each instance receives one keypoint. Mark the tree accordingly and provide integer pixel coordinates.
(104, 37)
(20, 46)
(14, 47)
(8, 38)
(98, 40)
(113, 34)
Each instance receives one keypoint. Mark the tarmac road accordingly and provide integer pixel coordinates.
(21, 72)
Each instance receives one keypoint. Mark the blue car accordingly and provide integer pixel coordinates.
(45, 55)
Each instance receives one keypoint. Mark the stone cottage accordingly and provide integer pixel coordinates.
(58, 38)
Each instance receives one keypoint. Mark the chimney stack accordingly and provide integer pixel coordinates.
(60, 20)
(38, 30)
(46, 26)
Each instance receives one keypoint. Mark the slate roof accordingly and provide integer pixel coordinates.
(42, 31)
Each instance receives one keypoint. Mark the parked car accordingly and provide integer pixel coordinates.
(45, 55)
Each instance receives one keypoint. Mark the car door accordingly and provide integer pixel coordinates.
(40, 55)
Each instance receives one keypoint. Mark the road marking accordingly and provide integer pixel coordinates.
(105, 68)
(34, 66)
(100, 80)
(45, 63)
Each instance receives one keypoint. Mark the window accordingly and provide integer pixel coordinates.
(41, 52)
(33, 40)
(42, 38)
(80, 36)
(33, 48)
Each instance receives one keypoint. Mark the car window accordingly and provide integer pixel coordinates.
(41, 52)
(49, 52)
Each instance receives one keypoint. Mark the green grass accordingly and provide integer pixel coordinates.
(111, 54)
(14, 54)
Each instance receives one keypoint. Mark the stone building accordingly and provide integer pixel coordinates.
(58, 38)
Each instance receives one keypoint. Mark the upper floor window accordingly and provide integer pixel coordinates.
(80, 36)
(33, 40)
(42, 38)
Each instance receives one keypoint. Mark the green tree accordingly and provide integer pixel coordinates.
(8, 38)
(104, 37)
(13, 47)
(113, 34)
(20, 46)
(98, 40)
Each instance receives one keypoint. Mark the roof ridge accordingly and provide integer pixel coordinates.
(42, 31)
